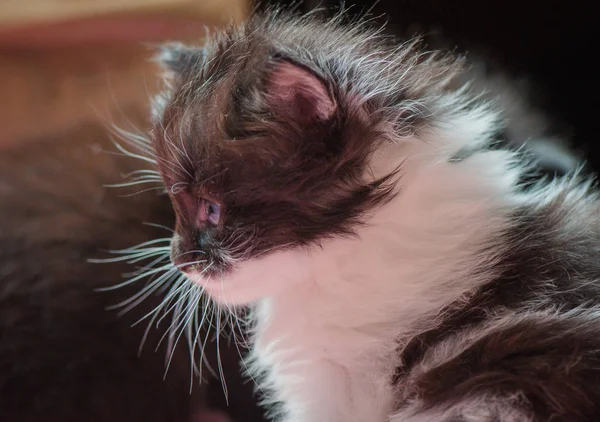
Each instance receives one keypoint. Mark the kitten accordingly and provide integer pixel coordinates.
(394, 265)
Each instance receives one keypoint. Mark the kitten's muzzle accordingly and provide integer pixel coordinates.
(194, 253)
(183, 255)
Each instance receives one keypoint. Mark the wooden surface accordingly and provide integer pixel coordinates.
(28, 12)
(54, 76)
(103, 30)
(53, 90)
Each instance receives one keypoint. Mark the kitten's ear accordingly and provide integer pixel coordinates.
(176, 57)
(293, 90)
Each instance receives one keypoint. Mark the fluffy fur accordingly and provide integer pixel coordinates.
(394, 266)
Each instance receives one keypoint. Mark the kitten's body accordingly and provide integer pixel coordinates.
(395, 268)
(329, 347)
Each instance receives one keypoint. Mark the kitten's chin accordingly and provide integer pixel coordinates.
(254, 279)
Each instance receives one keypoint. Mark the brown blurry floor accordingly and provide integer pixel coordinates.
(49, 91)
(57, 73)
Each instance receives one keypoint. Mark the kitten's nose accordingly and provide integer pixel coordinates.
(205, 238)
(186, 262)
(183, 256)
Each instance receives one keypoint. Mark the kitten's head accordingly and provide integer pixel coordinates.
(264, 140)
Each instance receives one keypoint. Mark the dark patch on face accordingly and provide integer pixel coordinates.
(270, 136)
(281, 115)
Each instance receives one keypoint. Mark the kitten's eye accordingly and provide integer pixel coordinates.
(209, 213)
(213, 212)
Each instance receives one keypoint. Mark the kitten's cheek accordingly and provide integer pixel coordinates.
(255, 279)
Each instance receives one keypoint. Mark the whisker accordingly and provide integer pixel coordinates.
(160, 226)
(220, 363)
(180, 280)
(174, 293)
(156, 188)
(193, 342)
(130, 258)
(134, 155)
(184, 317)
(176, 316)
(133, 183)
(142, 294)
(162, 256)
(150, 172)
(134, 279)
(192, 314)
(141, 245)
(207, 332)
(187, 317)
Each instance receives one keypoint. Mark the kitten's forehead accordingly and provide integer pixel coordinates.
(215, 104)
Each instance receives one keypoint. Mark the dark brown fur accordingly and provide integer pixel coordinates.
(223, 132)
(552, 363)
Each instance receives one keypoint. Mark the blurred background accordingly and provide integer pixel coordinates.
(66, 61)
(63, 61)
(67, 69)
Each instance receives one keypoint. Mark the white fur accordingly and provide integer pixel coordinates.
(327, 320)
